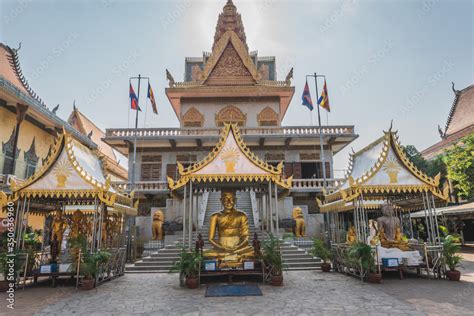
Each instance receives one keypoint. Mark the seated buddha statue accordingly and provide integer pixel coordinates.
(351, 237)
(232, 228)
(390, 235)
(299, 224)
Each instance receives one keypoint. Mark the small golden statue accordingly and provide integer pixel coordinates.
(79, 224)
(300, 226)
(59, 226)
(351, 236)
(157, 225)
(232, 228)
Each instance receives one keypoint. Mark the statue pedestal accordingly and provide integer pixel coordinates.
(413, 256)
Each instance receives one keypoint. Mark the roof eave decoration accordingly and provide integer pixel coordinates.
(102, 191)
(269, 173)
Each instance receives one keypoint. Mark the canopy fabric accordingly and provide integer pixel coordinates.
(462, 209)
(71, 172)
(379, 170)
(230, 161)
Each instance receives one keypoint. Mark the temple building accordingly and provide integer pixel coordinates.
(460, 123)
(230, 84)
(28, 128)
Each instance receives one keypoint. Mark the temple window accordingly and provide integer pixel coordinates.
(31, 160)
(151, 168)
(230, 114)
(192, 118)
(7, 151)
(268, 117)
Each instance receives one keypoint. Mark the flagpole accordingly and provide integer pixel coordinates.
(134, 158)
(320, 132)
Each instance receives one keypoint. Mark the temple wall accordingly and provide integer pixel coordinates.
(250, 107)
(43, 140)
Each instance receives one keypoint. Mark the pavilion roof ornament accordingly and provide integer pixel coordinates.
(379, 169)
(230, 161)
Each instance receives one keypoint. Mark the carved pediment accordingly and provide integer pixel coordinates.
(230, 114)
(230, 69)
(267, 117)
(192, 118)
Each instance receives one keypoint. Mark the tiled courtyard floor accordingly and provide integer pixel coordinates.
(308, 292)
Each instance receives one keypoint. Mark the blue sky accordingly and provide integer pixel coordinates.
(383, 59)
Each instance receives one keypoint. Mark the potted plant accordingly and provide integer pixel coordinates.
(452, 259)
(273, 260)
(188, 267)
(89, 267)
(320, 250)
(363, 254)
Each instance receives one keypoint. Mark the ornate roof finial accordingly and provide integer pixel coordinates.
(454, 90)
(74, 105)
(230, 20)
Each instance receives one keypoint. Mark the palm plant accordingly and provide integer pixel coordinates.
(450, 249)
(272, 254)
(363, 254)
(320, 250)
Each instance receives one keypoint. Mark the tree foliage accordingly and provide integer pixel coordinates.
(431, 168)
(459, 162)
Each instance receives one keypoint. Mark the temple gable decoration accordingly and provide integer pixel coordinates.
(267, 117)
(230, 114)
(192, 118)
(230, 161)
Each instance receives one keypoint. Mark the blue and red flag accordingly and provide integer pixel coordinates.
(306, 97)
(151, 96)
(133, 99)
(323, 100)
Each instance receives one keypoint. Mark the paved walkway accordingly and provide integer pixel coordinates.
(307, 292)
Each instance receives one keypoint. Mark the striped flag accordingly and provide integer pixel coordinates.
(306, 98)
(133, 99)
(151, 96)
(323, 100)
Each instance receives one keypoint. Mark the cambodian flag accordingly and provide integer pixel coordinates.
(306, 97)
(133, 99)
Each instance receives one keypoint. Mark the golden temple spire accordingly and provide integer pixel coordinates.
(229, 19)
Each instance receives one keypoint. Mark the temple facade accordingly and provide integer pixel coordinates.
(230, 84)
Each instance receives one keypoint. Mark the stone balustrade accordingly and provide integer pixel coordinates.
(298, 185)
(289, 131)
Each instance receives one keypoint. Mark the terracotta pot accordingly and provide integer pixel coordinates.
(375, 278)
(192, 282)
(277, 280)
(87, 284)
(326, 267)
(4, 286)
(453, 275)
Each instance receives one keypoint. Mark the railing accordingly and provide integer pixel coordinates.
(288, 131)
(143, 185)
(298, 184)
(301, 184)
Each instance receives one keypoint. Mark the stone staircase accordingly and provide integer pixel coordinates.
(161, 262)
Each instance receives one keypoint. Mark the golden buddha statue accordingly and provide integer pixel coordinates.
(300, 226)
(79, 224)
(351, 236)
(59, 226)
(232, 227)
(157, 225)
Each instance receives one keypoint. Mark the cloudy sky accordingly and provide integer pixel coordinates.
(383, 59)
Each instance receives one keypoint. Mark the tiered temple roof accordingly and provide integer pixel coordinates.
(460, 122)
